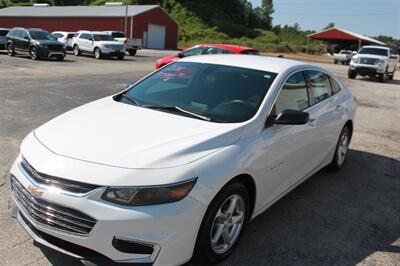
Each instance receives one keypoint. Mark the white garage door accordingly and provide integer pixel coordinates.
(156, 37)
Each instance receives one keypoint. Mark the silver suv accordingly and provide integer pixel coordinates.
(99, 44)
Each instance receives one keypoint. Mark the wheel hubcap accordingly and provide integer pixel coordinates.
(33, 53)
(76, 50)
(342, 148)
(97, 53)
(227, 224)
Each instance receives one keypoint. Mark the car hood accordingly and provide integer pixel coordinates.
(370, 56)
(48, 42)
(117, 134)
(167, 59)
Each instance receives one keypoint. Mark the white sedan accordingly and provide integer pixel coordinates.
(175, 166)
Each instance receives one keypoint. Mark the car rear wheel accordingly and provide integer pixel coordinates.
(132, 52)
(335, 62)
(121, 57)
(391, 75)
(352, 74)
(97, 53)
(10, 49)
(77, 51)
(60, 58)
(33, 53)
(342, 149)
(223, 225)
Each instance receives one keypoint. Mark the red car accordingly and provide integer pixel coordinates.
(207, 48)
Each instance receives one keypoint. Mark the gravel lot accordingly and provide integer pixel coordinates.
(346, 218)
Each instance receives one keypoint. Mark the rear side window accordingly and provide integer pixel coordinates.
(58, 35)
(293, 95)
(319, 85)
(118, 35)
(194, 51)
(212, 50)
(334, 85)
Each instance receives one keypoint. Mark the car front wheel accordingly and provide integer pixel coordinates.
(97, 53)
(222, 225)
(352, 74)
(33, 53)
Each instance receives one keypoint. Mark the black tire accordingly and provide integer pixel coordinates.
(77, 51)
(338, 159)
(97, 53)
(33, 53)
(132, 52)
(352, 74)
(335, 62)
(121, 57)
(11, 50)
(391, 75)
(204, 252)
(383, 77)
(60, 58)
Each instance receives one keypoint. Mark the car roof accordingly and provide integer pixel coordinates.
(264, 63)
(4, 29)
(230, 47)
(93, 32)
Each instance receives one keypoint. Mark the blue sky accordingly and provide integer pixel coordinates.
(368, 17)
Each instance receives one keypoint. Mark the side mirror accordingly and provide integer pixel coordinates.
(354, 53)
(292, 117)
(180, 55)
(393, 56)
(26, 38)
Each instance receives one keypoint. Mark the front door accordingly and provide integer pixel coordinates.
(288, 147)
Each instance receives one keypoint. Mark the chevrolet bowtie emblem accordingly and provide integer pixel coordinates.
(35, 191)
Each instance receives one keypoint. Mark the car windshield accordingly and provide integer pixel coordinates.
(118, 35)
(103, 37)
(376, 51)
(42, 35)
(223, 94)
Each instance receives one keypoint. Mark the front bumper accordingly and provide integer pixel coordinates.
(45, 52)
(170, 229)
(112, 52)
(367, 70)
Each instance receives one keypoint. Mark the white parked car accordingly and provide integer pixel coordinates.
(374, 61)
(65, 38)
(176, 165)
(100, 44)
(344, 57)
(131, 44)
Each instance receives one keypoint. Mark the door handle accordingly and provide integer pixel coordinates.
(339, 108)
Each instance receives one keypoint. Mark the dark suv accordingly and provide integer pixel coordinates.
(37, 43)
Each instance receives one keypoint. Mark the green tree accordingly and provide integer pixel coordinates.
(330, 25)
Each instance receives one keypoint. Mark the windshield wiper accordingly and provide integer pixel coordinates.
(177, 109)
(130, 99)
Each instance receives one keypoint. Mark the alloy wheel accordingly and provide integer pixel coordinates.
(227, 224)
(33, 53)
(342, 148)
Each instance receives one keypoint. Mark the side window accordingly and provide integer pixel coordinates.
(194, 51)
(293, 95)
(24, 34)
(212, 50)
(58, 35)
(18, 33)
(320, 88)
(334, 85)
(226, 51)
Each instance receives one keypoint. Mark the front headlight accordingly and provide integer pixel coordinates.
(354, 59)
(141, 196)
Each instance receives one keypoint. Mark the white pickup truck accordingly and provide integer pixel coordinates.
(374, 61)
(131, 44)
(344, 57)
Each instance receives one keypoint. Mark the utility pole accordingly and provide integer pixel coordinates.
(126, 18)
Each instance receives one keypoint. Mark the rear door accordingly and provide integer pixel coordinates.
(325, 112)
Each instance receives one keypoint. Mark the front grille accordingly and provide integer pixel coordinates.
(368, 61)
(55, 48)
(51, 214)
(116, 47)
(64, 184)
